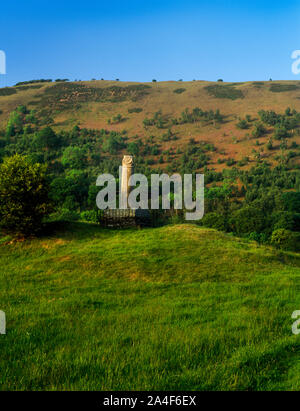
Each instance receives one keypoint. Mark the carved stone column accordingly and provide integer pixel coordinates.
(127, 171)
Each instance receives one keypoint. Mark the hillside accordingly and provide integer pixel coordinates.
(95, 309)
(118, 106)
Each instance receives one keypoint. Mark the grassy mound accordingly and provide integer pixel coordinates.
(178, 307)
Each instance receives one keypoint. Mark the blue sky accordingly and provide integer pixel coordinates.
(141, 40)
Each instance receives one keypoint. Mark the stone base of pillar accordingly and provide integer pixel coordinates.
(126, 218)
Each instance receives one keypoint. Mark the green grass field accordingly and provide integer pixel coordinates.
(172, 308)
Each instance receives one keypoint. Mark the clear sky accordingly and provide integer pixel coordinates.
(138, 40)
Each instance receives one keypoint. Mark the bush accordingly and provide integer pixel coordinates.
(177, 218)
(7, 91)
(222, 91)
(113, 143)
(214, 220)
(230, 162)
(242, 124)
(74, 157)
(248, 219)
(270, 144)
(285, 239)
(23, 195)
(133, 148)
(280, 132)
(281, 88)
(287, 220)
(135, 110)
(47, 139)
(90, 215)
(179, 90)
(258, 237)
(259, 130)
(64, 214)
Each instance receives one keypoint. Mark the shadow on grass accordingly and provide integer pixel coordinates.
(82, 230)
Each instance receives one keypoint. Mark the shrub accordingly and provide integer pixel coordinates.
(270, 144)
(113, 143)
(242, 124)
(280, 88)
(133, 148)
(90, 215)
(222, 91)
(117, 119)
(179, 90)
(230, 162)
(285, 239)
(23, 195)
(7, 91)
(135, 110)
(47, 139)
(177, 218)
(258, 84)
(34, 81)
(287, 220)
(64, 214)
(259, 130)
(215, 220)
(248, 219)
(74, 157)
(258, 237)
(280, 132)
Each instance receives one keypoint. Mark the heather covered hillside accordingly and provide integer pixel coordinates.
(244, 137)
(168, 113)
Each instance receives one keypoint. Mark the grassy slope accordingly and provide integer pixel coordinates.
(178, 307)
(161, 96)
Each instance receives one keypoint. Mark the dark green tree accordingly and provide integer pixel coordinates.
(23, 195)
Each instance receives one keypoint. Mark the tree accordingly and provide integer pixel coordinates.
(281, 132)
(133, 148)
(47, 139)
(242, 124)
(259, 130)
(291, 201)
(113, 143)
(74, 157)
(215, 220)
(249, 219)
(23, 195)
(270, 144)
(288, 111)
(15, 124)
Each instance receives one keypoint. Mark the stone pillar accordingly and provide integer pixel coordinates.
(127, 171)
